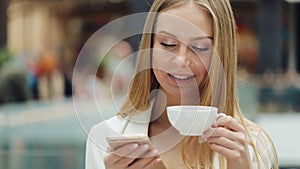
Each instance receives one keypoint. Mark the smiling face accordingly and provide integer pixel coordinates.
(182, 51)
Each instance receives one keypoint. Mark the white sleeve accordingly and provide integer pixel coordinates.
(94, 158)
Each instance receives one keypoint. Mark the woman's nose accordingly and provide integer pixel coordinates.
(183, 58)
(183, 61)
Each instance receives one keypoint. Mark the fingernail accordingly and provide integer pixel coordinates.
(135, 145)
(158, 160)
(145, 146)
(153, 153)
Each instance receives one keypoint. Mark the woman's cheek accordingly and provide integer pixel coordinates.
(161, 59)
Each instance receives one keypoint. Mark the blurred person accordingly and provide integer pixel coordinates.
(120, 65)
(66, 67)
(98, 86)
(13, 81)
(86, 84)
(235, 143)
(34, 71)
(51, 79)
(247, 48)
(289, 92)
(267, 94)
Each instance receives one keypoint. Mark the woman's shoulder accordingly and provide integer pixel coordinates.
(100, 131)
(113, 124)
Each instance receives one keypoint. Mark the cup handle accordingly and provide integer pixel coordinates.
(201, 139)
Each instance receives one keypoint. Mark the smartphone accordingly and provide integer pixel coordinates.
(118, 141)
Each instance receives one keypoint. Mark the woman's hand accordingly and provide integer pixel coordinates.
(132, 156)
(227, 137)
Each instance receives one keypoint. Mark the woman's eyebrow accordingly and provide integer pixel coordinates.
(167, 33)
(203, 37)
(196, 38)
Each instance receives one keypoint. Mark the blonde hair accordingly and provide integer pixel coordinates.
(222, 77)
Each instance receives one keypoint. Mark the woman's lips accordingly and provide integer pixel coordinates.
(180, 79)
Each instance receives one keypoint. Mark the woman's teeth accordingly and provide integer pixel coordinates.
(182, 77)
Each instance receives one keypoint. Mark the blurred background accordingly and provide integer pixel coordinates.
(41, 40)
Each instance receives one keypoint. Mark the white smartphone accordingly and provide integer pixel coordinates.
(118, 141)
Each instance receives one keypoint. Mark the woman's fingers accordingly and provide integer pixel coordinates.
(225, 142)
(130, 155)
(226, 133)
(227, 127)
(230, 123)
(227, 137)
(230, 154)
(114, 156)
(147, 160)
(153, 163)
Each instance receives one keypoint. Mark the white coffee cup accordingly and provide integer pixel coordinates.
(192, 120)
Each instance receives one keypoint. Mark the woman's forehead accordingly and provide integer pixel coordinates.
(182, 27)
(187, 20)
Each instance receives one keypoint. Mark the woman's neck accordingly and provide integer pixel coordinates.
(159, 115)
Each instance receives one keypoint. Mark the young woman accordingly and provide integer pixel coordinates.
(187, 43)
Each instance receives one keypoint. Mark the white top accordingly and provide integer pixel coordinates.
(96, 143)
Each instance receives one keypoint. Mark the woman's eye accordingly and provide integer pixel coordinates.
(199, 49)
(168, 45)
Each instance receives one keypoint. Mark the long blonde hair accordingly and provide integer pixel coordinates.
(225, 45)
